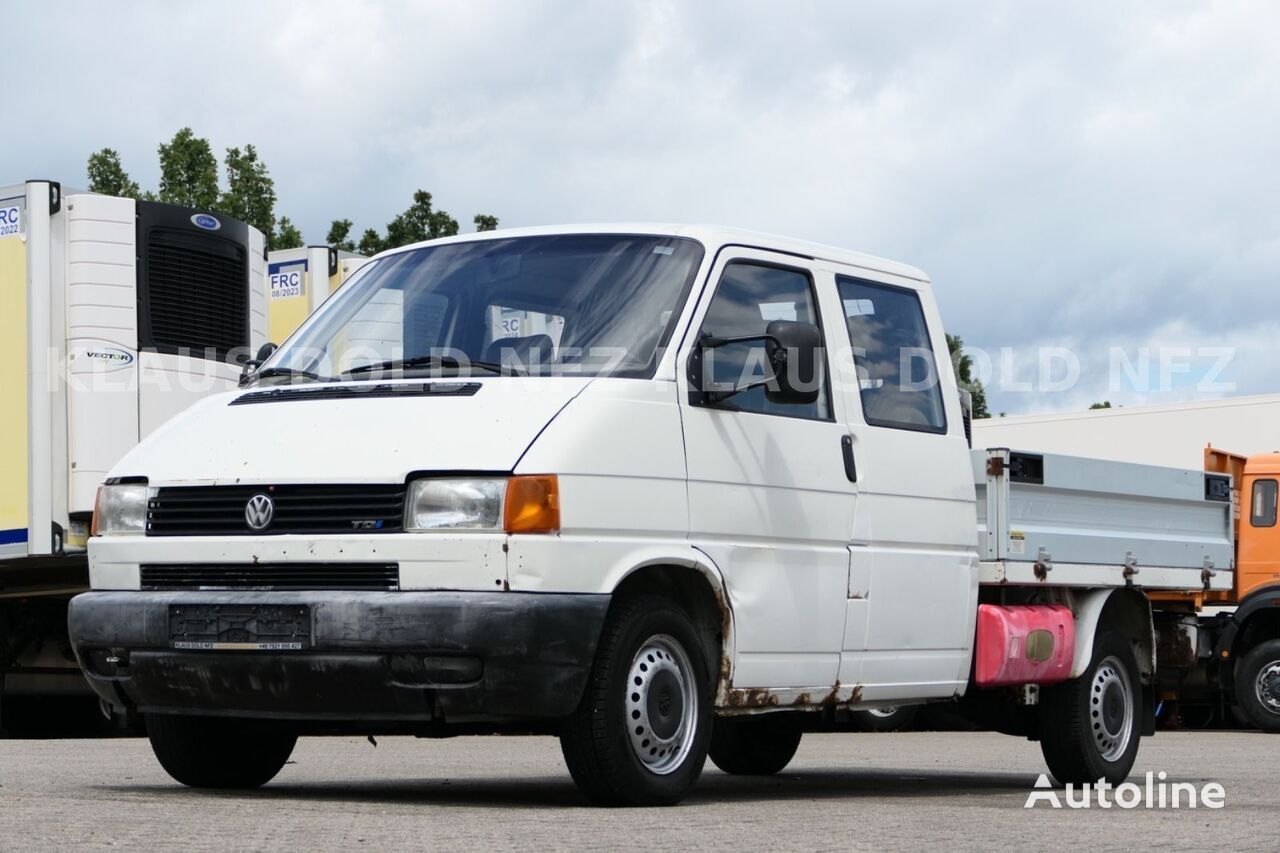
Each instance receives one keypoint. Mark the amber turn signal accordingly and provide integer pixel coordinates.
(532, 504)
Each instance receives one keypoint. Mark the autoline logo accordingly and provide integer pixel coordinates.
(1156, 793)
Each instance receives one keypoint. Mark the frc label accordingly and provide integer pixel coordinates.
(286, 284)
(10, 220)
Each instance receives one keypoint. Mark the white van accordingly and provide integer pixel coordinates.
(705, 474)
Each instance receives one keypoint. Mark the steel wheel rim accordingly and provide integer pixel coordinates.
(1111, 709)
(883, 713)
(662, 705)
(1267, 686)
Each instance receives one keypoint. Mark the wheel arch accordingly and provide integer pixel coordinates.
(1256, 620)
(697, 585)
(1127, 611)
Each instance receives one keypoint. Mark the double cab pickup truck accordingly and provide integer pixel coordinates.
(663, 492)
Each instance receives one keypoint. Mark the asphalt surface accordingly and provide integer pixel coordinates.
(850, 791)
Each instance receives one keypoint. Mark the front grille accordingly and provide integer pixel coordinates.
(272, 576)
(220, 510)
(197, 292)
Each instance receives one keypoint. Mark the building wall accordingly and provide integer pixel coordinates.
(1173, 435)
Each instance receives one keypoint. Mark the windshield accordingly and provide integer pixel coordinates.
(581, 304)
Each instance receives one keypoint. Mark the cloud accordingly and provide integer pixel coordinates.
(1088, 173)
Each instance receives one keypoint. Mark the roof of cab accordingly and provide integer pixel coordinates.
(1263, 463)
(711, 236)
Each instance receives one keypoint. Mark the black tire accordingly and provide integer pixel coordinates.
(885, 719)
(1258, 686)
(1090, 726)
(219, 752)
(754, 746)
(602, 740)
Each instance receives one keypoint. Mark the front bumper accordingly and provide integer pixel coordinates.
(442, 657)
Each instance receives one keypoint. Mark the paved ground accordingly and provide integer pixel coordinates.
(956, 789)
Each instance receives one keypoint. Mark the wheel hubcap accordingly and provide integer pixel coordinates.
(1268, 686)
(1111, 709)
(662, 704)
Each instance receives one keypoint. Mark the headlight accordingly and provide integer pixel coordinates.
(472, 503)
(120, 509)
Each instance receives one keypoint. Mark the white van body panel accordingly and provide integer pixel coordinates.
(382, 439)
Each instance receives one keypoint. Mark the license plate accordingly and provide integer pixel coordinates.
(240, 627)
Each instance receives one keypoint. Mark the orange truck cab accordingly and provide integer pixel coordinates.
(1246, 643)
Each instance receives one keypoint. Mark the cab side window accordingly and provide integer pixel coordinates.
(748, 298)
(897, 368)
(1263, 512)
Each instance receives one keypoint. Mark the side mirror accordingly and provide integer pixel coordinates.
(792, 349)
(251, 365)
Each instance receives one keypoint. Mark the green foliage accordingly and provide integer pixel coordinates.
(107, 175)
(286, 236)
(1105, 404)
(188, 171)
(370, 243)
(963, 366)
(251, 194)
(422, 221)
(339, 235)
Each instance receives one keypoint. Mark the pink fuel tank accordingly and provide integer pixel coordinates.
(1023, 644)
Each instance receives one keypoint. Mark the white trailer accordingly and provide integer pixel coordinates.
(300, 280)
(117, 314)
(1175, 434)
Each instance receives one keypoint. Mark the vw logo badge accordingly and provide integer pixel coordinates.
(258, 512)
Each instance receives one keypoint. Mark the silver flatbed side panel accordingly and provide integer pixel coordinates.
(1093, 512)
(1095, 576)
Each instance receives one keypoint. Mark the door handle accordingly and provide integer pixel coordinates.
(850, 467)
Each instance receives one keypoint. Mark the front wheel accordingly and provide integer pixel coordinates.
(1090, 726)
(219, 752)
(1258, 686)
(639, 735)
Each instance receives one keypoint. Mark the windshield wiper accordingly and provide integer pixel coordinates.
(278, 371)
(429, 361)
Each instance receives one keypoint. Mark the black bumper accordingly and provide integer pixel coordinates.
(442, 657)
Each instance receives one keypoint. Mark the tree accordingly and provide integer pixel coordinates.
(420, 222)
(339, 236)
(963, 366)
(370, 243)
(1105, 404)
(251, 194)
(107, 175)
(287, 235)
(188, 171)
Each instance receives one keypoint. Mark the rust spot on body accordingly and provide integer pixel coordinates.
(754, 697)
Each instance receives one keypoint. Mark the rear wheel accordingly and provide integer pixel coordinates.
(893, 719)
(754, 746)
(219, 752)
(639, 736)
(1258, 686)
(1090, 726)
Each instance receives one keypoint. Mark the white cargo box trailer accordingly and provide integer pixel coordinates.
(115, 315)
(300, 280)
(118, 314)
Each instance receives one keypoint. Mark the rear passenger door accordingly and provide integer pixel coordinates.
(912, 564)
(769, 499)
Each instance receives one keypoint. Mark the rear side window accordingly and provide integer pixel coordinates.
(1263, 513)
(897, 368)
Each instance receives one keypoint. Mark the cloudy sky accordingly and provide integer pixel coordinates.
(1092, 186)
